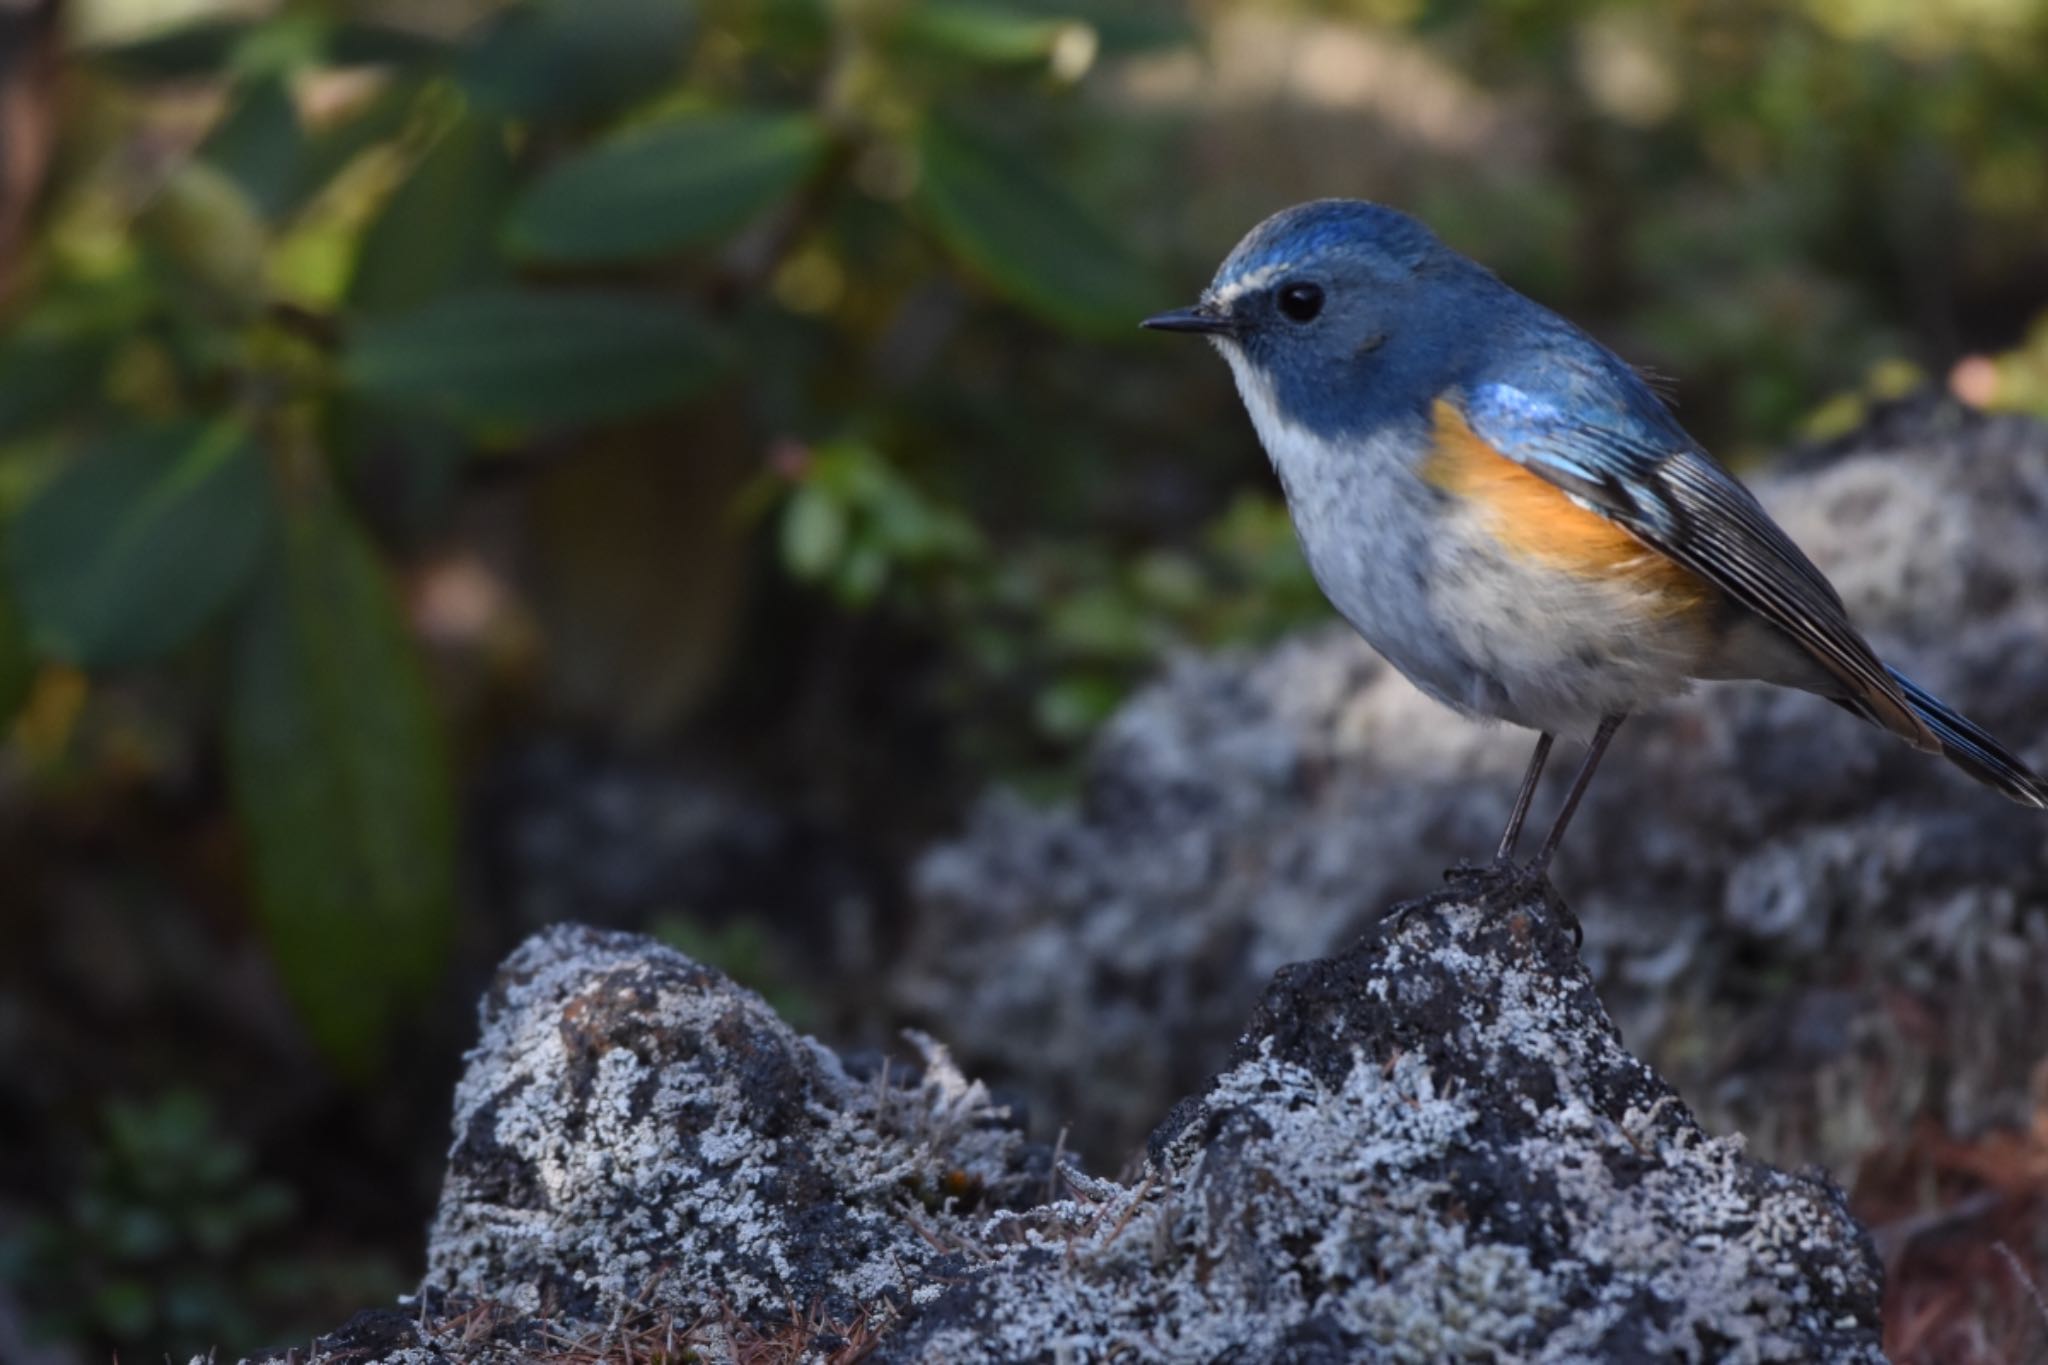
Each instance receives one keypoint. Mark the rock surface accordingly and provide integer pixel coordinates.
(1431, 1147)
(1814, 931)
(634, 1123)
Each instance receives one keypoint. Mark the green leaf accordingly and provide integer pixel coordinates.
(278, 164)
(814, 531)
(520, 359)
(1015, 226)
(438, 232)
(46, 379)
(204, 223)
(139, 542)
(340, 775)
(401, 469)
(330, 149)
(260, 145)
(182, 52)
(967, 30)
(665, 185)
(573, 58)
(356, 42)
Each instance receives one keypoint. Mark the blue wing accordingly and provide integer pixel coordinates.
(1584, 421)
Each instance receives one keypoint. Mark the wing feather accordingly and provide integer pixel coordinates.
(1627, 460)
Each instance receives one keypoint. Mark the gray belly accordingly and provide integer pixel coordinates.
(1487, 632)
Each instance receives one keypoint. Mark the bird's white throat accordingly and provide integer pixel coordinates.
(1296, 452)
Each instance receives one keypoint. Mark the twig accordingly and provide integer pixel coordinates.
(1137, 1198)
(2019, 1272)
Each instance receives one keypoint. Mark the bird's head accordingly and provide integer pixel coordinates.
(1322, 295)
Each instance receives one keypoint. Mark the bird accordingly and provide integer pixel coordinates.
(1511, 516)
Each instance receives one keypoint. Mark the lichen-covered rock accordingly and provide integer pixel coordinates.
(635, 1124)
(1815, 931)
(1431, 1147)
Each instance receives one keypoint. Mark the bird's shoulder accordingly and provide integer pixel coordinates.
(1545, 380)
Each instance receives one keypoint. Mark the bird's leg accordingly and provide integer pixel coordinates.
(1541, 862)
(1503, 863)
(1522, 800)
(1508, 880)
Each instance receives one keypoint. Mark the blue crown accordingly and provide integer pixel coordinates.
(1306, 231)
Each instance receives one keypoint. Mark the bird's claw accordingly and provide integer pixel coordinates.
(1500, 882)
(1500, 871)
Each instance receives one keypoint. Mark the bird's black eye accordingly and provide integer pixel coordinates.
(1301, 301)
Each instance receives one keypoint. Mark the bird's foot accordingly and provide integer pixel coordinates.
(1397, 915)
(1502, 876)
(1468, 883)
(1496, 885)
(1498, 872)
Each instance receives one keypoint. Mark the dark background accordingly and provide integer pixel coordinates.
(464, 465)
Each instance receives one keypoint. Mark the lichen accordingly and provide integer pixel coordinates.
(1433, 1146)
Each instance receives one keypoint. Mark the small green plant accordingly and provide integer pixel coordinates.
(168, 1241)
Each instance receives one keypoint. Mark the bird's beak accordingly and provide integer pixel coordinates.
(1200, 318)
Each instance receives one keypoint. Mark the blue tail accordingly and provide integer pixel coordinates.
(1970, 749)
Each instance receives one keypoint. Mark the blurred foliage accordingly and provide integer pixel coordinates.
(803, 329)
(2015, 380)
(1770, 199)
(564, 215)
(302, 266)
(168, 1241)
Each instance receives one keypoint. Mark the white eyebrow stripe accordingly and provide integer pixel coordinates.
(1247, 282)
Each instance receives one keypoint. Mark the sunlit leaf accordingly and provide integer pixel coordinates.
(664, 186)
(532, 358)
(278, 163)
(341, 778)
(438, 233)
(814, 527)
(1021, 231)
(207, 225)
(570, 58)
(139, 543)
(381, 118)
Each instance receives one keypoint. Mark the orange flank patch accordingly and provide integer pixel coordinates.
(1532, 517)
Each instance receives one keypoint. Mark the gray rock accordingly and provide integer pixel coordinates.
(1814, 931)
(633, 1124)
(1431, 1147)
